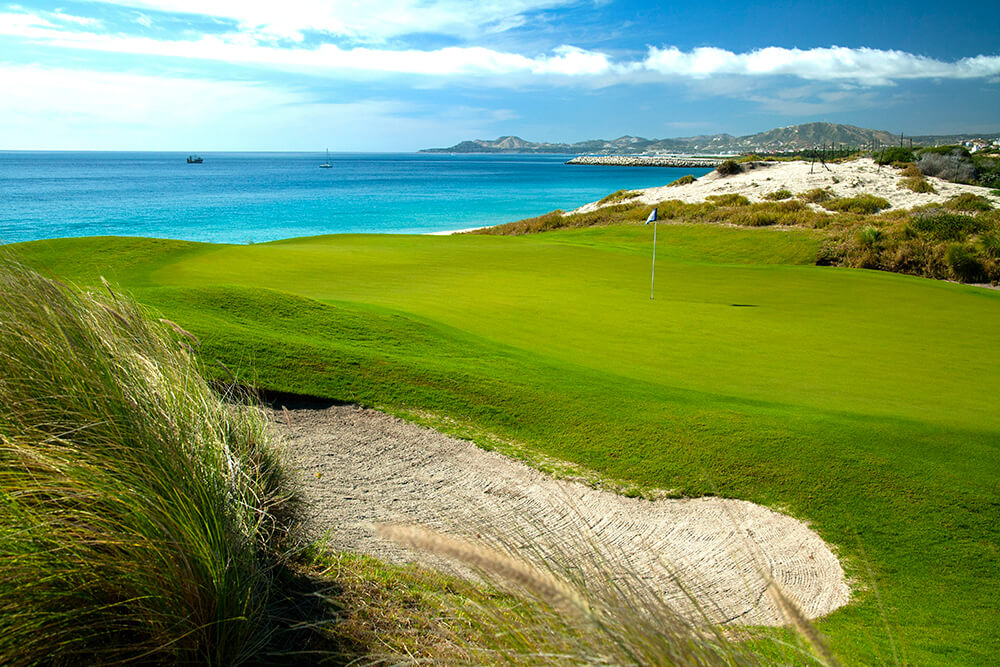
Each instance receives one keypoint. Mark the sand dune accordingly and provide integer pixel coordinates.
(848, 179)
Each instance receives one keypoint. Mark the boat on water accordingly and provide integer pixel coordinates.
(326, 165)
(195, 159)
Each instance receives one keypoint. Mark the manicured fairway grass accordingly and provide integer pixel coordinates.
(863, 402)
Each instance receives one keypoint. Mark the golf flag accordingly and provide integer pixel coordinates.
(651, 218)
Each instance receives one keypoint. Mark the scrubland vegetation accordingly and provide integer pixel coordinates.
(955, 241)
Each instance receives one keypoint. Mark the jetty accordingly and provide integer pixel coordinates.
(648, 161)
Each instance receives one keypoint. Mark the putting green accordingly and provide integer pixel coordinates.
(864, 402)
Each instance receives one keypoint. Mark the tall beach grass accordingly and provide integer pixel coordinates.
(142, 516)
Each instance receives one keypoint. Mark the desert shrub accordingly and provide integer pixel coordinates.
(752, 157)
(865, 204)
(989, 246)
(729, 168)
(954, 166)
(757, 218)
(948, 226)
(728, 200)
(869, 235)
(969, 203)
(945, 150)
(683, 180)
(815, 196)
(917, 184)
(987, 170)
(963, 264)
(894, 154)
(917, 258)
(788, 212)
(911, 170)
(142, 517)
(778, 195)
(619, 195)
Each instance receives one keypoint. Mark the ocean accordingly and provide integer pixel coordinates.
(257, 197)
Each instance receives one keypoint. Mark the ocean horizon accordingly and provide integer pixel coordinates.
(253, 197)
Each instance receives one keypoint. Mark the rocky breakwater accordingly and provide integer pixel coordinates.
(647, 161)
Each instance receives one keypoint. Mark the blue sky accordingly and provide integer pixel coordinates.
(388, 75)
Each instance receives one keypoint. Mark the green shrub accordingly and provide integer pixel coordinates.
(963, 264)
(945, 150)
(911, 170)
(778, 195)
(752, 157)
(956, 166)
(989, 245)
(816, 195)
(869, 235)
(142, 518)
(995, 193)
(732, 199)
(729, 168)
(683, 180)
(948, 226)
(864, 204)
(969, 203)
(917, 184)
(894, 154)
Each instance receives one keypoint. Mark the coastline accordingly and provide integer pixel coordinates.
(675, 161)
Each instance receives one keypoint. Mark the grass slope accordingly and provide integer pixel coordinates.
(861, 401)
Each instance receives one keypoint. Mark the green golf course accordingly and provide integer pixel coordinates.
(863, 402)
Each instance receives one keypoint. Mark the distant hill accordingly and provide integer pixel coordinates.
(796, 137)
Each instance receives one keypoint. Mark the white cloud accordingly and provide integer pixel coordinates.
(66, 109)
(365, 21)
(565, 61)
(565, 64)
(862, 65)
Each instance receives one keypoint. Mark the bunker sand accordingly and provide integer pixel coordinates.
(359, 467)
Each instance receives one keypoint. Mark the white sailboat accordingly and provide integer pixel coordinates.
(326, 165)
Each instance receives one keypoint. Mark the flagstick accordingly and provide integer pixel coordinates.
(652, 271)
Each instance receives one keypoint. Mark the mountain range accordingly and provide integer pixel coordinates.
(793, 138)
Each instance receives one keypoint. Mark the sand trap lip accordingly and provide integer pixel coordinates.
(376, 468)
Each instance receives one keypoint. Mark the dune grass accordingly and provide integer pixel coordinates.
(860, 401)
(141, 516)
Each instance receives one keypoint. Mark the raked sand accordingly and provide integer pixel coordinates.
(847, 179)
(360, 467)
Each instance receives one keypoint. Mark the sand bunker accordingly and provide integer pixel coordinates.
(360, 466)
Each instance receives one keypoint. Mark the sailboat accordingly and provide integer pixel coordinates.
(326, 165)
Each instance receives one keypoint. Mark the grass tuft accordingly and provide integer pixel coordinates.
(619, 196)
(142, 518)
(816, 195)
(969, 203)
(683, 180)
(917, 184)
(864, 204)
(729, 168)
(778, 195)
(728, 200)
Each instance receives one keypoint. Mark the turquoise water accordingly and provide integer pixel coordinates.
(255, 197)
